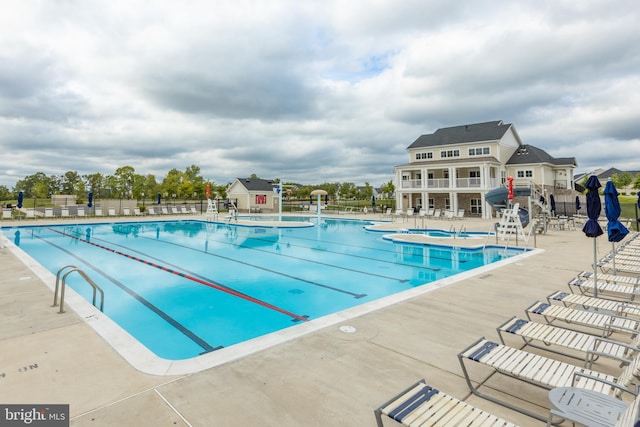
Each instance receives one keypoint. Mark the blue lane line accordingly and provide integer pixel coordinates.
(173, 322)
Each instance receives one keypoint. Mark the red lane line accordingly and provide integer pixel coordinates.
(192, 278)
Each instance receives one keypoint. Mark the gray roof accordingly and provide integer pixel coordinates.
(488, 131)
(527, 154)
(257, 184)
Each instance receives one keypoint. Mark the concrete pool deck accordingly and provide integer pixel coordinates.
(325, 378)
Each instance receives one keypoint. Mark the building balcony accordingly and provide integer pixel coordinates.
(443, 183)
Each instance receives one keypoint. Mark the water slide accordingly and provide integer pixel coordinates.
(499, 198)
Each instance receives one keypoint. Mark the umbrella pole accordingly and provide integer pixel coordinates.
(595, 268)
(613, 256)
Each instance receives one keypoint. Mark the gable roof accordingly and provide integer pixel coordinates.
(256, 184)
(487, 131)
(527, 154)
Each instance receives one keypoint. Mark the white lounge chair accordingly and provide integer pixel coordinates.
(98, 212)
(621, 291)
(448, 214)
(164, 210)
(460, 214)
(126, 211)
(151, 211)
(136, 211)
(608, 306)
(183, 210)
(542, 371)
(80, 213)
(31, 213)
(423, 405)
(48, 213)
(174, 210)
(194, 211)
(7, 213)
(584, 346)
(112, 212)
(64, 213)
(437, 213)
(605, 323)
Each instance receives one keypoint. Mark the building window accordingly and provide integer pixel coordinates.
(447, 204)
(432, 203)
(482, 151)
(450, 153)
(525, 174)
(476, 206)
(420, 156)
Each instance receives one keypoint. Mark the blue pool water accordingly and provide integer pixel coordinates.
(185, 288)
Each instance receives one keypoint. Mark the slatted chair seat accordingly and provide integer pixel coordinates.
(622, 291)
(603, 322)
(591, 346)
(423, 405)
(614, 278)
(611, 306)
(542, 371)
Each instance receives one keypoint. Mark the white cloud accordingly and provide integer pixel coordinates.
(308, 91)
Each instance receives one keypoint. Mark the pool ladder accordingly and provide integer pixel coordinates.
(70, 269)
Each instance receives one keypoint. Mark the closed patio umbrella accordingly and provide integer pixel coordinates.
(159, 198)
(90, 199)
(578, 207)
(616, 231)
(552, 203)
(591, 227)
(20, 199)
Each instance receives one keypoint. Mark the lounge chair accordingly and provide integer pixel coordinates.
(174, 210)
(448, 215)
(586, 407)
(112, 211)
(48, 213)
(423, 405)
(388, 213)
(437, 213)
(605, 323)
(98, 212)
(7, 213)
(31, 213)
(80, 213)
(430, 212)
(64, 213)
(460, 214)
(126, 211)
(543, 372)
(588, 347)
(164, 210)
(151, 211)
(608, 306)
(136, 211)
(183, 210)
(620, 291)
(611, 278)
(193, 210)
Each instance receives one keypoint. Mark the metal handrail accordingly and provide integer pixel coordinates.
(70, 269)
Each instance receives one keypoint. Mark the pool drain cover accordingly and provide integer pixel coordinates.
(347, 329)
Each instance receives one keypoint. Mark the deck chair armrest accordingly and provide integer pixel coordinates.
(613, 317)
(634, 392)
(629, 347)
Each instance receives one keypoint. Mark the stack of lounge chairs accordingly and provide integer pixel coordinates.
(584, 349)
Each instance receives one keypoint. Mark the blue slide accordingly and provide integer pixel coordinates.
(499, 198)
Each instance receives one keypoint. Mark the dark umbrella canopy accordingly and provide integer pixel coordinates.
(578, 207)
(90, 199)
(615, 229)
(20, 199)
(159, 198)
(552, 203)
(591, 227)
(373, 200)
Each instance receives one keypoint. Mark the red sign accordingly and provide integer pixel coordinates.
(261, 199)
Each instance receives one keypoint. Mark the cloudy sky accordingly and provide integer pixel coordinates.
(308, 91)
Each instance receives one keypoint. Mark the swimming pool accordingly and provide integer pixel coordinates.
(189, 288)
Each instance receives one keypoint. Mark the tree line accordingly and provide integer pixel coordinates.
(125, 183)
